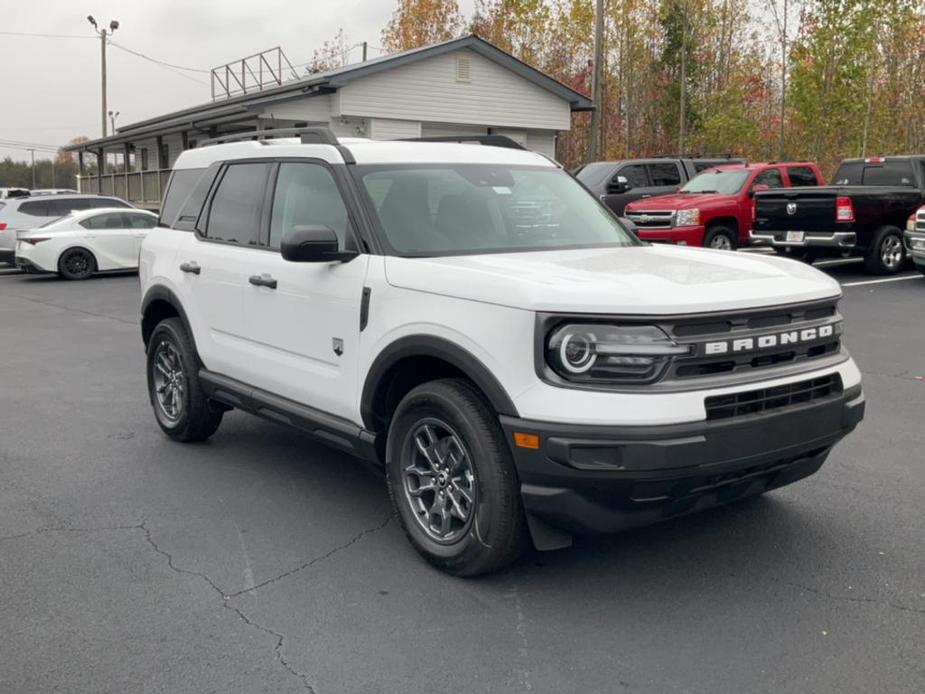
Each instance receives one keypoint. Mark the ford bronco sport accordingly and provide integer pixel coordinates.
(472, 318)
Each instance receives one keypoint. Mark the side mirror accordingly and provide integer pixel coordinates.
(757, 188)
(313, 244)
(619, 185)
(630, 226)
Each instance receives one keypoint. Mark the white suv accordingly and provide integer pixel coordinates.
(471, 317)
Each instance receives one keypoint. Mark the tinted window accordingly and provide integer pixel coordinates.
(802, 176)
(182, 183)
(595, 174)
(306, 195)
(665, 174)
(770, 178)
(36, 208)
(108, 202)
(237, 205)
(138, 221)
(474, 208)
(892, 173)
(635, 174)
(59, 208)
(109, 220)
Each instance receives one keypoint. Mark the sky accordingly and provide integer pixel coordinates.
(51, 86)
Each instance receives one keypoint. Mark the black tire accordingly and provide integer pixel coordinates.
(493, 534)
(887, 252)
(195, 417)
(76, 264)
(806, 255)
(721, 237)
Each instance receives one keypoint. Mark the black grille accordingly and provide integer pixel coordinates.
(776, 398)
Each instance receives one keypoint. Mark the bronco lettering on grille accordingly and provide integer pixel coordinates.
(791, 337)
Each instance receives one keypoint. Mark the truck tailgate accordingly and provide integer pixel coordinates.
(806, 209)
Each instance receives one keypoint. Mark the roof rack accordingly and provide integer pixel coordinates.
(310, 135)
(490, 140)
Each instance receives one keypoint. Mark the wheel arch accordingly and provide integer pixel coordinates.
(724, 221)
(415, 359)
(160, 303)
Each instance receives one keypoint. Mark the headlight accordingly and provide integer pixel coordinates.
(910, 223)
(601, 353)
(688, 218)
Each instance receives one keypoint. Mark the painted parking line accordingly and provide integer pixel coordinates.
(902, 278)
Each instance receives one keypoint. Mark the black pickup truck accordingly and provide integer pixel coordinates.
(618, 183)
(863, 213)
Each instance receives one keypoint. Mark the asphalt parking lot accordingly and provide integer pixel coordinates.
(264, 562)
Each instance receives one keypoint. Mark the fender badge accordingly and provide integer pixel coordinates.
(338, 345)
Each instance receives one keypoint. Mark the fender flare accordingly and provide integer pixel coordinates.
(440, 348)
(159, 292)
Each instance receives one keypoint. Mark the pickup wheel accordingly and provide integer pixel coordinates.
(721, 238)
(886, 254)
(180, 405)
(452, 480)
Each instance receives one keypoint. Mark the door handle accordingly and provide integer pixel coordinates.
(263, 280)
(646, 195)
(191, 267)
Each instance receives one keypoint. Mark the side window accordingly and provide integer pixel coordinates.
(635, 174)
(35, 209)
(666, 174)
(802, 176)
(59, 208)
(109, 220)
(306, 195)
(770, 177)
(237, 205)
(138, 221)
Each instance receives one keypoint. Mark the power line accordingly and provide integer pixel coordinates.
(45, 36)
(155, 60)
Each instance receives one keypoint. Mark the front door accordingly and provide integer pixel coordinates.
(303, 319)
(113, 244)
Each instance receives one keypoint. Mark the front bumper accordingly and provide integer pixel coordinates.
(596, 479)
(841, 240)
(915, 244)
(685, 236)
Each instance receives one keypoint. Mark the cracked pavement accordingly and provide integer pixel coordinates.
(265, 562)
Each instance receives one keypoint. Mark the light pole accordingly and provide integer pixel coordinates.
(112, 121)
(113, 25)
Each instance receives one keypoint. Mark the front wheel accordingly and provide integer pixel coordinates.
(76, 264)
(721, 238)
(181, 407)
(886, 254)
(452, 480)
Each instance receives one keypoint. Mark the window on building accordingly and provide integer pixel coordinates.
(237, 205)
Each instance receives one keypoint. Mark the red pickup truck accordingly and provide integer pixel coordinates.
(717, 207)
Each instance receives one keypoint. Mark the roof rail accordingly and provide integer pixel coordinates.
(310, 135)
(490, 140)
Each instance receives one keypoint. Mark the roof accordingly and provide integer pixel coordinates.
(364, 152)
(331, 80)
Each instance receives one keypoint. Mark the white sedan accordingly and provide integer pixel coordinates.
(82, 243)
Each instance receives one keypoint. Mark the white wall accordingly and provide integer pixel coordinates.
(309, 109)
(429, 91)
(390, 129)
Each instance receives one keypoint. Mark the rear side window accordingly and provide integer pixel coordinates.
(59, 208)
(237, 206)
(306, 195)
(802, 176)
(182, 183)
(36, 208)
(892, 173)
(666, 174)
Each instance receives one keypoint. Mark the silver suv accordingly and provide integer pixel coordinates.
(19, 214)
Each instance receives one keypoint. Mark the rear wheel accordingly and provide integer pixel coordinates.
(886, 254)
(181, 407)
(452, 480)
(76, 264)
(721, 238)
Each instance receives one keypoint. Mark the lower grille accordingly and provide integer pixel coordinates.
(776, 398)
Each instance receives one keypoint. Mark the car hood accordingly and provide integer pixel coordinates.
(642, 280)
(678, 201)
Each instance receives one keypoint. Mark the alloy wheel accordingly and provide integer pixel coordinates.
(439, 480)
(891, 252)
(721, 242)
(169, 380)
(77, 263)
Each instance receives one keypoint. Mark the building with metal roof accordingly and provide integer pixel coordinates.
(462, 87)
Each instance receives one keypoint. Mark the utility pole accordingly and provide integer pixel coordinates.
(597, 86)
(682, 120)
(365, 46)
(102, 33)
(32, 152)
(112, 121)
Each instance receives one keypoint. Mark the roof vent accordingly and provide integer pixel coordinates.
(463, 69)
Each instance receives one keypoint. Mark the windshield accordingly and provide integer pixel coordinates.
(716, 181)
(593, 175)
(453, 209)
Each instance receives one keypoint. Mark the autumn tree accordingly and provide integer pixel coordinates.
(417, 23)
